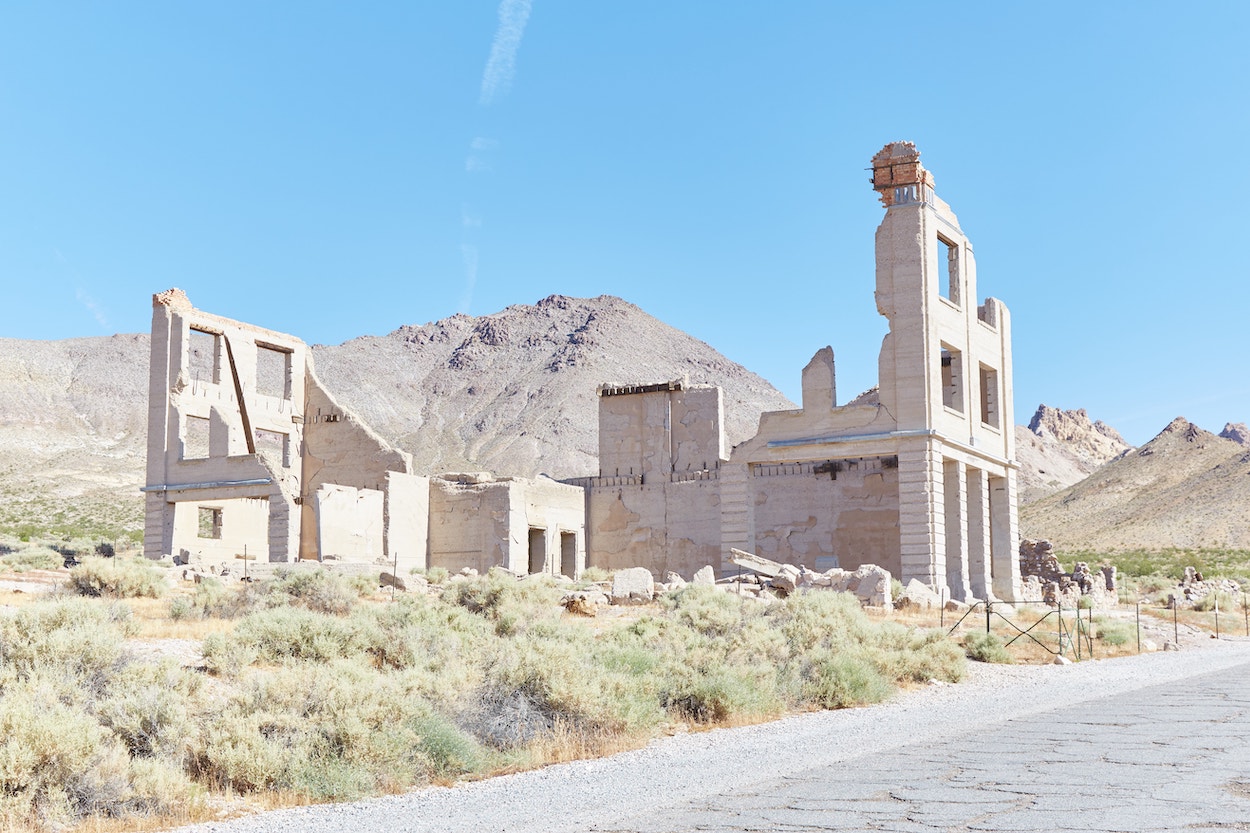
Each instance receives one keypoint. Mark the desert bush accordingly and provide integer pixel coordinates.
(118, 577)
(1115, 631)
(594, 575)
(836, 680)
(71, 644)
(1227, 602)
(211, 598)
(435, 575)
(510, 604)
(319, 590)
(331, 731)
(32, 558)
(288, 633)
(986, 647)
(149, 709)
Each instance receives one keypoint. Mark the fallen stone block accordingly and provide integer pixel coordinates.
(705, 575)
(392, 580)
(634, 585)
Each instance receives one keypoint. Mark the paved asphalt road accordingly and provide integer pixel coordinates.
(1150, 743)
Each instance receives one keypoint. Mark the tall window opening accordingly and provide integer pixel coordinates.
(949, 252)
(538, 550)
(203, 352)
(273, 372)
(195, 438)
(989, 396)
(568, 554)
(952, 378)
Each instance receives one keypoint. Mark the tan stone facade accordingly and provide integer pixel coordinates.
(917, 477)
(249, 454)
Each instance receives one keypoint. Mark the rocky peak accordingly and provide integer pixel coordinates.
(1237, 432)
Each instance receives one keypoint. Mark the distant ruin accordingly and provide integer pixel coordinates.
(248, 452)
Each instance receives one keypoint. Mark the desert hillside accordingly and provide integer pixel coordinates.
(514, 392)
(1185, 488)
(1060, 448)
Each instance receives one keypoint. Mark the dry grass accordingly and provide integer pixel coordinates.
(309, 705)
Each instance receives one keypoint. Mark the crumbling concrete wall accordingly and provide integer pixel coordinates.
(247, 451)
(656, 501)
(527, 526)
(919, 478)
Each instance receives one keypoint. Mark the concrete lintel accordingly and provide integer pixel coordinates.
(216, 484)
(892, 435)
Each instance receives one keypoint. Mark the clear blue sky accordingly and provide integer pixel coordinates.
(340, 169)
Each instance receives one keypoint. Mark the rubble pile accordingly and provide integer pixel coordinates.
(1194, 588)
(1043, 578)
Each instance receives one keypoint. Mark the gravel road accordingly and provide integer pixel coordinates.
(637, 790)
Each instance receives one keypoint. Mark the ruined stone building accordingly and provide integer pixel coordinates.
(917, 476)
(249, 454)
(247, 451)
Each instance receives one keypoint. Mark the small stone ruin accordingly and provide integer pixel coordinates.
(1045, 580)
(1193, 588)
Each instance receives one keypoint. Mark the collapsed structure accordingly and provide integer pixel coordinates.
(917, 476)
(248, 452)
(249, 455)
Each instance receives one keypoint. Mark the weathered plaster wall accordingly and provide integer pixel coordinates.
(406, 518)
(349, 523)
(664, 526)
(470, 523)
(834, 513)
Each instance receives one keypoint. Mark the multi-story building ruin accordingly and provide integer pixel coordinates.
(250, 455)
(917, 476)
(248, 452)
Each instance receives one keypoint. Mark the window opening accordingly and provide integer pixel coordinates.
(203, 353)
(951, 250)
(275, 444)
(538, 550)
(210, 522)
(568, 554)
(952, 379)
(195, 438)
(989, 396)
(273, 372)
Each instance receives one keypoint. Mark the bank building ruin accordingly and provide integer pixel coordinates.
(246, 448)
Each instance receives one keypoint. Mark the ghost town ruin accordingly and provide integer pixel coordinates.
(248, 452)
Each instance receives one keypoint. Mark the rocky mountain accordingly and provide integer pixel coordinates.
(1237, 432)
(1060, 448)
(1185, 488)
(515, 392)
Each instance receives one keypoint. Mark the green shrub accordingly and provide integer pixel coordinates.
(212, 598)
(986, 647)
(32, 558)
(118, 577)
(836, 680)
(595, 575)
(1115, 631)
(331, 731)
(1227, 602)
(319, 590)
(510, 604)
